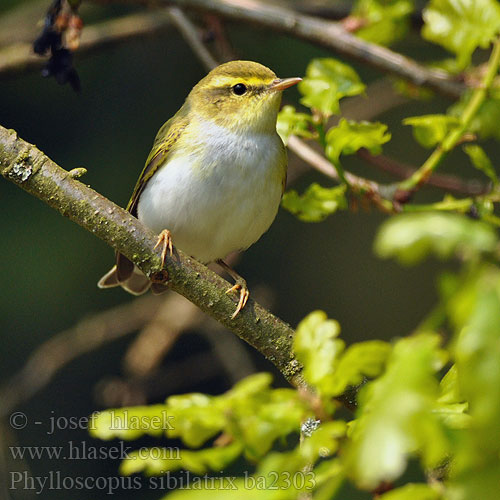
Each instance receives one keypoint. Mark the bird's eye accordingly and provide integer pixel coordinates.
(239, 88)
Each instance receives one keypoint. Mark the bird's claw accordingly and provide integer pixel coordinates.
(244, 294)
(165, 240)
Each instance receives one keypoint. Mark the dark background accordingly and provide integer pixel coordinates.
(50, 266)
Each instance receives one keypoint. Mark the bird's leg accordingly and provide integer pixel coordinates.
(240, 284)
(165, 240)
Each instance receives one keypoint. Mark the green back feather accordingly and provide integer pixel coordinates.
(165, 139)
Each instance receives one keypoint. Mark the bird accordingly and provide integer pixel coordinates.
(213, 181)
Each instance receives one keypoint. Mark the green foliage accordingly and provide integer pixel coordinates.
(349, 136)
(450, 405)
(412, 237)
(485, 121)
(409, 406)
(430, 130)
(326, 82)
(327, 365)
(461, 25)
(317, 348)
(316, 203)
(382, 21)
(474, 313)
(396, 416)
(412, 491)
(196, 418)
(291, 122)
(365, 359)
(481, 161)
(157, 461)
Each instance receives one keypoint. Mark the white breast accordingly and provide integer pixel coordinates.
(221, 198)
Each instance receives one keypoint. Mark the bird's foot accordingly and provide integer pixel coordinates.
(244, 294)
(240, 284)
(165, 240)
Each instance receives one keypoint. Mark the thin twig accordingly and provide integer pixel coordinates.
(216, 29)
(477, 98)
(87, 335)
(441, 181)
(19, 57)
(328, 34)
(178, 376)
(173, 317)
(190, 34)
(370, 189)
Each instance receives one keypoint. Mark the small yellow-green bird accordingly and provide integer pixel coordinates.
(214, 179)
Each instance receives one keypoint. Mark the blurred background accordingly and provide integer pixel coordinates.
(70, 349)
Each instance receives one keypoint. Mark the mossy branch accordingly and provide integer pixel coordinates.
(30, 169)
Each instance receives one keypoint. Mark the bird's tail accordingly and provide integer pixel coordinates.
(136, 283)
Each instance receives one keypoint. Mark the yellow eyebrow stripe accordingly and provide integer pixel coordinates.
(225, 81)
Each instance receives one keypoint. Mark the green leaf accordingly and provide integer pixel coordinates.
(323, 442)
(485, 121)
(461, 25)
(475, 314)
(328, 476)
(251, 385)
(480, 483)
(430, 130)
(326, 82)
(131, 423)
(290, 122)
(257, 415)
(412, 491)
(450, 392)
(481, 161)
(349, 136)
(396, 416)
(474, 311)
(316, 203)
(450, 405)
(359, 360)
(454, 415)
(383, 21)
(198, 417)
(318, 348)
(412, 237)
(156, 461)
(217, 488)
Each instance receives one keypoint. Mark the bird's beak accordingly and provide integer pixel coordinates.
(284, 83)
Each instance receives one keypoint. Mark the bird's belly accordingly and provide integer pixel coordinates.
(216, 208)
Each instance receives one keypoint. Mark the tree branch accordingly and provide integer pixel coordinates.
(27, 167)
(441, 181)
(371, 189)
(19, 57)
(62, 348)
(188, 31)
(328, 34)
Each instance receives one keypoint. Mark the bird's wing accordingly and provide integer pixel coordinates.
(165, 139)
(167, 136)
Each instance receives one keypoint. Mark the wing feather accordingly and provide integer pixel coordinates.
(167, 136)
